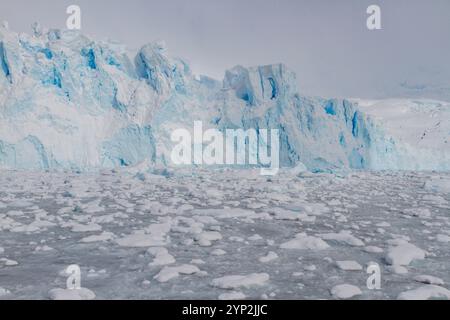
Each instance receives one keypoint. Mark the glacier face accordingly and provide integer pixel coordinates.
(69, 102)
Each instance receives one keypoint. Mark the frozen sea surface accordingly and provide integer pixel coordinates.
(224, 235)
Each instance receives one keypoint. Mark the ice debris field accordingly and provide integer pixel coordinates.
(224, 235)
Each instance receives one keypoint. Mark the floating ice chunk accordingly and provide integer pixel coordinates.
(398, 269)
(159, 229)
(335, 203)
(2, 250)
(225, 213)
(426, 292)
(349, 265)
(429, 280)
(4, 292)
(235, 295)
(305, 242)
(8, 262)
(162, 257)
(197, 261)
(256, 205)
(92, 227)
(434, 199)
(206, 220)
(35, 226)
(255, 237)
(169, 273)
(20, 203)
(247, 281)
(345, 291)
(403, 254)
(93, 207)
(107, 218)
(383, 224)
(218, 252)
(418, 212)
(344, 237)
(373, 249)
(185, 207)
(443, 238)
(140, 240)
(270, 257)
(104, 236)
(15, 213)
(43, 248)
(283, 214)
(71, 294)
(206, 238)
(438, 184)
(310, 268)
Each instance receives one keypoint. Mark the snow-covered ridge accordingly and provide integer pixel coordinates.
(409, 134)
(68, 101)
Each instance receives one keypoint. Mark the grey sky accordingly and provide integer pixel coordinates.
(325, 42)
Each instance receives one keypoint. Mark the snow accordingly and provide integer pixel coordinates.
(345, 291)
(237, 281)
(409, 134)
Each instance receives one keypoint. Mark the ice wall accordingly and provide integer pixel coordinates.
(68, 101)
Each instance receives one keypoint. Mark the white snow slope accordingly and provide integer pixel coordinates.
(67, 101)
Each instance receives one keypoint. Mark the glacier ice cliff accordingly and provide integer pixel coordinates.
(69, 102)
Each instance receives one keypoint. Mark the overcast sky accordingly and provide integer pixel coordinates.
(325, 42)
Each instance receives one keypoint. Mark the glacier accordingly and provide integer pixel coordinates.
(73, 103)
